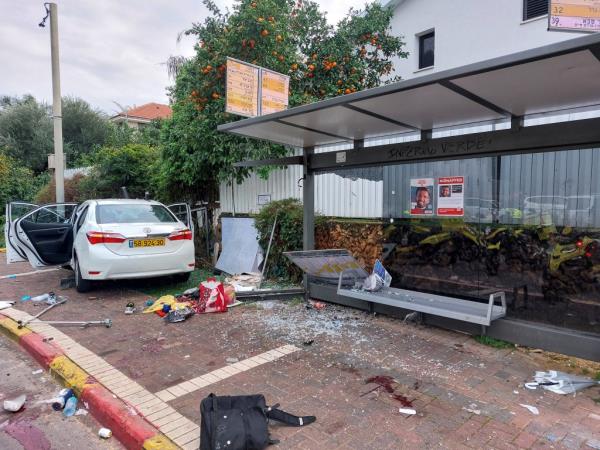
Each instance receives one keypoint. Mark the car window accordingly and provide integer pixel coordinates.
(133, 213)
(51, 214)
(81, 218)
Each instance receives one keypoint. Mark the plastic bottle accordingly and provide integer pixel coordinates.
(62, 398)
(70, 406)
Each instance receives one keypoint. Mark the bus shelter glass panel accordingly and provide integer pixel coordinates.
(529, 225)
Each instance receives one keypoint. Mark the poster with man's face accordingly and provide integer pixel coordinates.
(421, 197)
(451, 196)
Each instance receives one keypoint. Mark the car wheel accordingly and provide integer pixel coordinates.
(182, 277)
(81, 285)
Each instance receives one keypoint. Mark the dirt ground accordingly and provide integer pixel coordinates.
(354, 372)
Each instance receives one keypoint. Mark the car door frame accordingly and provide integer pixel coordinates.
(14, 254)
(20, 240)
(190, 221)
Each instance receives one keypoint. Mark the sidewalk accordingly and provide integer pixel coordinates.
(466, 395)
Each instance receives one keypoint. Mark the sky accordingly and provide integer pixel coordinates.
(111, 51)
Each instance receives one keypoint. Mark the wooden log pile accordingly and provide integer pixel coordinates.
(363, 240)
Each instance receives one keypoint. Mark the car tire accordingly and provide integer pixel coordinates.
(81, 285)
(182, 277)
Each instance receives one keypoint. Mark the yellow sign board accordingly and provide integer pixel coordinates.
(574, 15)
(254, 91)
(274, 92)
(242, 88)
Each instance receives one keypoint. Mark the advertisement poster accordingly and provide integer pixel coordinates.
(421, 197)
(451, 196)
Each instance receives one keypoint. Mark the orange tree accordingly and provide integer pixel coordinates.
(290, 37)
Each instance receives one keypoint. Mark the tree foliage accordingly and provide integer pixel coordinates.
(17, 183)
(26, 130)
(291, 38)
(132, 166)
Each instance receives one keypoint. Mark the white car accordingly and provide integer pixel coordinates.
(103, 239)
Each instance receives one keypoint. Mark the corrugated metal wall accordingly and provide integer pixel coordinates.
(346, 193)
(382, 192)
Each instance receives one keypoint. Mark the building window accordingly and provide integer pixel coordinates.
(426, 50)
(534, 8)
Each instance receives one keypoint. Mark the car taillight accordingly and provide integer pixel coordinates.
(97, 237)
(180, 235)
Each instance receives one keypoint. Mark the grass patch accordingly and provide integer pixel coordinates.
(597, 376)
(491, 342)
(157, 287)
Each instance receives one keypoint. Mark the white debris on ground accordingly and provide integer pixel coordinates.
(299, 324)
(369, 337)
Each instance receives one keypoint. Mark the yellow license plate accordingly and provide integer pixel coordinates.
(136, 243)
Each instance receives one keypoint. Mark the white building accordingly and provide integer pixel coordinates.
(439, 35)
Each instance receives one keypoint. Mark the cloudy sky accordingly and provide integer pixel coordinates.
(111, 51)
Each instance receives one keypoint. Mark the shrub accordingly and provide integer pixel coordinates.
(73, 192)
(287, 237)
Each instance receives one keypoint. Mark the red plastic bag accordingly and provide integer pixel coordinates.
(212, 297)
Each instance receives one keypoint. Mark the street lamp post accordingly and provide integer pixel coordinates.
(59, 159)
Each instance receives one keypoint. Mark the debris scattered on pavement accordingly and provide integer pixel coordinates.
(16, 404)
(59, 402)
(6, 304)
(149, 302)
(26, 298)
(37, 372)
(104, 433)
(179, 315)
(408, 411)
(81, 412)
(560, 382)
(317, 305)
(23, 323)
(47, 339)
(309, 342)
(70, 406)
(129, 308)
(473, 409)
(531, 409)
(232, 360)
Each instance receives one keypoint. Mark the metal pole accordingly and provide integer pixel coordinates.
(262, 275)
(308, 216)
(59, 160)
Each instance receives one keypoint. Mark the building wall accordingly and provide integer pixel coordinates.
(468, 31)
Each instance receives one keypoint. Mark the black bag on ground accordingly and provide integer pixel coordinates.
(241, 422)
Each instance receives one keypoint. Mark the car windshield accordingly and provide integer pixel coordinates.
(133, 213)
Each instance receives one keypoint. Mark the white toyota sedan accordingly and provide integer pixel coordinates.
(103, 239)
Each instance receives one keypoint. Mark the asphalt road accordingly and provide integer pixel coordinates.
(38, 426)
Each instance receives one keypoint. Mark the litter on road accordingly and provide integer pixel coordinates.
(531, 409)
(560, 382)
(6, 304)
(16, 404)
(104, 433)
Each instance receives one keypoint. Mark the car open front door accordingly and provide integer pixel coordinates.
(183, 213)
(14, 211)
(44, 236)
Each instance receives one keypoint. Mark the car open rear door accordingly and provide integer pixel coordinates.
(44, 236)
(184, 213)
(14, 211)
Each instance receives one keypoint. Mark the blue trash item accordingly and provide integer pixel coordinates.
(26, 298)
(61, 400)
(149, 302)
(166, 308)
(70, 406)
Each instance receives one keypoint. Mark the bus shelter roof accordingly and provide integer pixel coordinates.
(548, 79)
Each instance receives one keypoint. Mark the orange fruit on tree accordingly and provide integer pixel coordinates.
(253, 4)
(279, 38)
(294, 66)
(264, 33)
(347, 91)
(260, 19)
(280, 58)
(311, 67)
(340, 82)
(215, 95)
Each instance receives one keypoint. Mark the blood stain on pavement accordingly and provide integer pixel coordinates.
(28, 435)
(385, 382)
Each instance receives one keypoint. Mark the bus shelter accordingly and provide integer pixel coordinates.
(505, 154)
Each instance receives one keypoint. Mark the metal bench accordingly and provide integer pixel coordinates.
(452, 308)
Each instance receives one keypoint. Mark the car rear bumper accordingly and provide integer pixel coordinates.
(102, 264)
